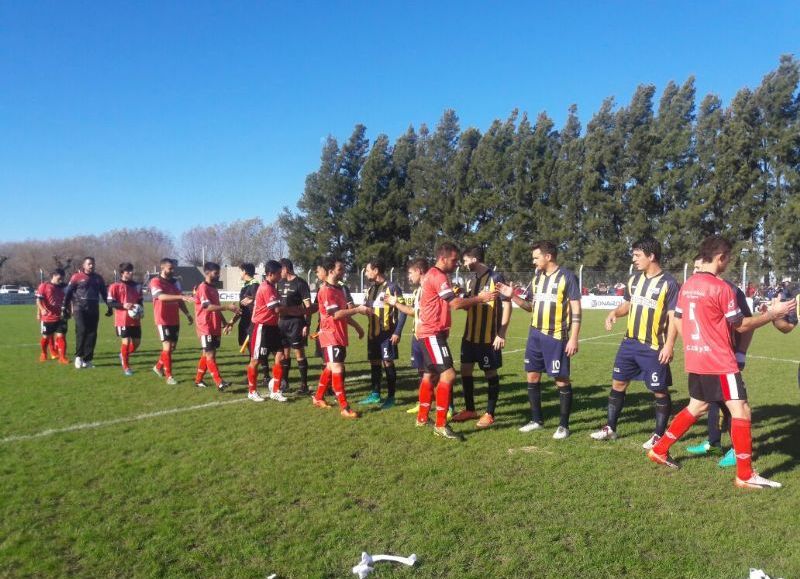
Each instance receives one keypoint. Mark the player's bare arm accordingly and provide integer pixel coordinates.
(184, 309)
(507, 291)
(777, 311)
(668, 350)
(500, 339)
(572, 344)
(481, 298)
(619, 312)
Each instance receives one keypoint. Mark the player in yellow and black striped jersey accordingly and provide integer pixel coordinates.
(646, 350)
(484, 336)
(383, 334)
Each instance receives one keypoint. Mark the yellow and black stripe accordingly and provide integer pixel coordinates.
(483, 320)
(551, 294)
(651, 299)
(383, 318)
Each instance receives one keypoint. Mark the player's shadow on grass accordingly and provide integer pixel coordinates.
(778, 427)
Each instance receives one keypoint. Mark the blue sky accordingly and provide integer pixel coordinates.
(172, 114)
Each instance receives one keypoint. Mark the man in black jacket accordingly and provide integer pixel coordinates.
(84, 293)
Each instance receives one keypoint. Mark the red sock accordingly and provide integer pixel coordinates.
(743, 447)
(201, 369)
(324, 382)
(43, 344)
(252, 378)
(680, 424)
(52, 344)
(425, 397)
(61, 342)
(277, 376)
(167, 363)
(338, 389)
(123, 353)
(212, 367)
(160, 363)
(131, 347)
(442, 402)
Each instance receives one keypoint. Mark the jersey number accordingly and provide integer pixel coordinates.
(696, 335)
(556, 365)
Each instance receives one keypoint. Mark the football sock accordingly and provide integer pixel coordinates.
(277, 376)
(616, 401)
(391, 380)
(535, 400)
(683, 422)
(61, 343)
(425, 397)
(202, 365)
(324, 382)
(252, 378)
(338, 389)
(442, 402)
(160, 363)
(715, 418)
(743, 447)
(43, 343)
(52, 344)
(565, 404)
(493, 394)
(123, 354)
(302, 366)
(468, 383)
(375, 377)
(168, 363)
(287, 365)
(663, 412)
(214, 369)
(131, 347)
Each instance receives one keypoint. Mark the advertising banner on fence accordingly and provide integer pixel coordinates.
(600, 302)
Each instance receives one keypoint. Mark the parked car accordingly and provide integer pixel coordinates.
(25, 290)
(9, 289)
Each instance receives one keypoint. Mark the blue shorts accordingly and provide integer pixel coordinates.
(484, 355)
(416, 354)
(381, 348)
(544, 353)
(637, 361)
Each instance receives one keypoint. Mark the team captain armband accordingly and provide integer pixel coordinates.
(446, 292)
(576, 319)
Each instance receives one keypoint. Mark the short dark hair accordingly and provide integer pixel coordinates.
(476, 252)
(125, 266)
(211, 266)
(446, 248)
(714, 245)
(696, 257)
(248, 268)
(648, 246)
(328, 263)
(419, 263)
(287, 263)
(377, 264)
(88, 257)
(166, 260)
(272, 266)
(546, 246)
(58, 271)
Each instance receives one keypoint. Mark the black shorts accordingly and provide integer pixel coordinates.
(169, 333)
(133, 332)
(292, 332)
(210, 343)
(264, 340)
(381, 348)
(484, 355)
(336, 354)
(57, 327)
(244, 330)
(436, 354)
(717, 387)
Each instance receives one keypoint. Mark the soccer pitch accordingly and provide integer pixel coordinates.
(176, 481)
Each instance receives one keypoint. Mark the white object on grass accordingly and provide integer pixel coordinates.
(758, 574)
(364, 568)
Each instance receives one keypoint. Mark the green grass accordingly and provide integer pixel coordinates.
(246, 490)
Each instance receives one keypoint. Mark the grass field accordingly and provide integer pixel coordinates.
(187, 482)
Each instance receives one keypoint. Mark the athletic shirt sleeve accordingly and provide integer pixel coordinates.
(627, 295)
(672, 295)
(499, 278)
(741, 301)
(201, 296)
(571, 289)
(727, 303)
(443, 287)
(155, 287)
(680, 304)
(792, 317)
(305, 291)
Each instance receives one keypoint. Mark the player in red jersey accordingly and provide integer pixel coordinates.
(49, 300)
(167, 300)
(436, 299)
(265, 336)
(707, 309)
(124, 296)
(334, 312)
(210, 321)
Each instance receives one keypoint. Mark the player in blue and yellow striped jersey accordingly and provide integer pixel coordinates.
(646, 349)
(555, 305)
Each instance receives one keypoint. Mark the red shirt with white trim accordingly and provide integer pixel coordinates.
(51, 297)
(165, 313)
(267, 300)
(208, 323)
(332, 332)
(434, 308)
(707, 309)
(124, 293)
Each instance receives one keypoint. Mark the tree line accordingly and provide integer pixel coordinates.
(673, 170)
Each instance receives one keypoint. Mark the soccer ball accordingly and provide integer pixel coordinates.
(136, 312)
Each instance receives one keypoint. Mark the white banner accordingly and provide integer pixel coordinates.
(601, 302)
(228, 296)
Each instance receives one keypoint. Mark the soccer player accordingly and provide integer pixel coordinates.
(553, 336)
(647, 348)
(265, 337)
(49, 301)
(719, 418)
(707, 310)
(484, 337)
(294, 292)
(167, 300)
(122, 296)
(247, 295)
(85, 291)
(436, 299)
(333, 314)
(383, 332)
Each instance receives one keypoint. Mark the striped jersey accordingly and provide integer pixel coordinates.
(551, 294)
(384, 317)
(651, 299)
(483, 320)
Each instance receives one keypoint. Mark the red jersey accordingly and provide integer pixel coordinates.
(51, 297)
(208, 323)
(332, 332)
(165, 313)
(434, 308)
(124, 293)
(707, 308)
(264, 307)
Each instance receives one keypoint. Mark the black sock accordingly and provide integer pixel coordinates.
(616, 400)
(376, 378)
(663, 412)
(494, 394)
(724, 421)
(302, 366)
(469, 392)
(535, 400)
(391, 379)
(565, 402)
(287, 365)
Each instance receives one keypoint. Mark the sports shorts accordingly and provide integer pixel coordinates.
(484, 355)
(545, 353)
(637, 361)
(717, 387)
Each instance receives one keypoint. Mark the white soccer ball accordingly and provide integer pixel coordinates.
(136, 312)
